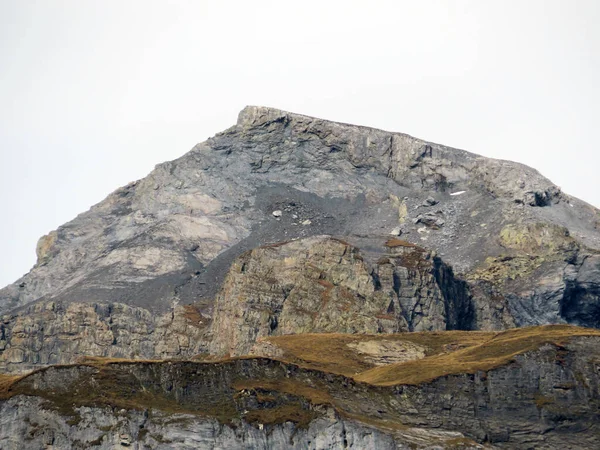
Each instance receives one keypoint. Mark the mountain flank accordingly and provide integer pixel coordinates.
(299, 283)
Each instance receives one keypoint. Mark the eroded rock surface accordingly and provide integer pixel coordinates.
(382, 352)
(56, 333)
(322, 284)
(527, 251)
(146, 242)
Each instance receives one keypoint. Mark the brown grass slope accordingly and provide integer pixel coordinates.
(447, 353)
(494, 352)
(334, 352)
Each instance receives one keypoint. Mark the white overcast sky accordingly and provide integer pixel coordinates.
(94, 93)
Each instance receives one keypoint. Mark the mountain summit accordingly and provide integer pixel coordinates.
(285, 232)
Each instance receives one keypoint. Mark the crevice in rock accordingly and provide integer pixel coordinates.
(580, 305)
(458, 302)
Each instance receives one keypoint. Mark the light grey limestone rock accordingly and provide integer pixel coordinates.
(25, 424)
(57, 333)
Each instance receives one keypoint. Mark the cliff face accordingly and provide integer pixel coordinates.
(59, 333)
(286, 225)
(320, 284)
(102, 429)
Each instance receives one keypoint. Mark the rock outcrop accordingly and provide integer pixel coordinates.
(320, 284)
(527, 252)
(102, 429)
(49, 333)
(172, 235)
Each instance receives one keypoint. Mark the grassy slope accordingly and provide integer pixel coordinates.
(451, 352)
(331, 353)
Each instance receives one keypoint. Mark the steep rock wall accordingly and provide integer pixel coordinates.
(322, 284)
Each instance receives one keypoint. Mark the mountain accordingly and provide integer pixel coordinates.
(188, 300)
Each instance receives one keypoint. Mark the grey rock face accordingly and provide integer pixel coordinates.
(536, 396)
(186, 212)
(580, 300)
(544, 277)
(432, 220)
(102, 429)
(170, 238)
(56, 333)
(324, 285)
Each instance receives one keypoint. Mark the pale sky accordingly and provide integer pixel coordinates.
(94, 93)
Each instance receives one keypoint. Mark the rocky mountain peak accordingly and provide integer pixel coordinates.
(405, 159)
(346, 265)
(252, 116)
(171, 237)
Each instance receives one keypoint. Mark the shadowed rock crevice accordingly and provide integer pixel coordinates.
(460, 310)
(580, 303)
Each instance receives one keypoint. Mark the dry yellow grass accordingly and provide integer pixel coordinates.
(292, 412)
(448, 352)
(493, 352)
(6, 383)
(287, 386)
(102, 361)
(331, 353)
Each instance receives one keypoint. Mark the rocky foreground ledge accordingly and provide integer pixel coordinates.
(531, 387)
